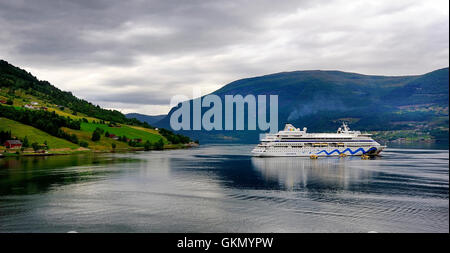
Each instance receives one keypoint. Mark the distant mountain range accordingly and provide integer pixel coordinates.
(146, 118)
(319, 100)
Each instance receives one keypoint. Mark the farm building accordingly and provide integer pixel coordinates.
(13, 144)
(113, 136)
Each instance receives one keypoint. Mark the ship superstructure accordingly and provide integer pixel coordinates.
(292, 141)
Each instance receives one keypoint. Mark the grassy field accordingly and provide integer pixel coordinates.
(104, 144)
(130, 132)
(22, 98)
(34, 135)
(65, 113)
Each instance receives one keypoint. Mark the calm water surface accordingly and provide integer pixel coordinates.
(218, 188)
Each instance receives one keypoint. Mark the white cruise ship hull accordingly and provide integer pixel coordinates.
(319, 151)
(295, 142)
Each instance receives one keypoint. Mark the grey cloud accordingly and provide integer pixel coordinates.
(55, 29)
(117, 52)
(137, 97)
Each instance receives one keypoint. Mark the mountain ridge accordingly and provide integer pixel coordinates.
(319, 98)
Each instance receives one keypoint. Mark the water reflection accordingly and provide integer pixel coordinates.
(223, 189)
(298, 172)
(31, 175)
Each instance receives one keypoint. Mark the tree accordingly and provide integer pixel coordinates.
(147, 146)
(113, 145)
(25, 142)
(107, 134)
(95, 136)
(159, 145)
(73, 138)
(35, 146)
(99, 130)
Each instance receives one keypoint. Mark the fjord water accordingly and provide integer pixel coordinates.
(221, 188)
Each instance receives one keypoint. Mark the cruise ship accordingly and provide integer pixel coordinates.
(292, 141)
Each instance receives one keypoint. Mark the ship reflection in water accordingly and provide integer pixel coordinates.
(300, 172)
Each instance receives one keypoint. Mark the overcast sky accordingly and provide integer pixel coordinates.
(135, 55)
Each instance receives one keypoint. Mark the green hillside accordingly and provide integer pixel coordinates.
(124, 130)
(34, 135)
(43, 113)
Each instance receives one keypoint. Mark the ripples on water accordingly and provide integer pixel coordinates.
(224, 189)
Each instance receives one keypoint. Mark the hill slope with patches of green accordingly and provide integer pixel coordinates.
(20, 130)
(19, 90)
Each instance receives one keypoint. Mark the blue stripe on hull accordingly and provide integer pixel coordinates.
(347, 149)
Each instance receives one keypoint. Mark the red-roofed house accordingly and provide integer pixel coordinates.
(13, 144)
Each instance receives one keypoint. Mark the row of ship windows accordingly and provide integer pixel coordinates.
(318, 145)
(329, 138)
(278, 147)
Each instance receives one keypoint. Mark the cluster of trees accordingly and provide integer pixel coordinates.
(48, 122)
(83, 144)
(174, 138)
(159, 145)
(4, 136)
(36, 146)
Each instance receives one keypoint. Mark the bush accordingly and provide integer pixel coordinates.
(84, 144)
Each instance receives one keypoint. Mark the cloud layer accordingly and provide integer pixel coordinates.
(135, 55)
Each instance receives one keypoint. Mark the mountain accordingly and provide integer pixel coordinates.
(15, 78)
(320, 99)
(150, 119)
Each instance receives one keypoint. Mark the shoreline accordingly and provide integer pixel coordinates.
(90, 151)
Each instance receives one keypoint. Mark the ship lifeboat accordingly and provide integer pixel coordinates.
(365, 157)
(313, 156)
